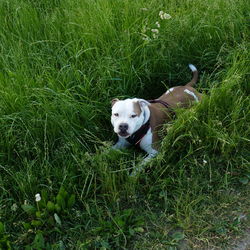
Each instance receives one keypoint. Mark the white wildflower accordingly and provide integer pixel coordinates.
(166, 16)
(38, 197)
(161, 13)
(14, 207)
(204, 162)
(155, 31)
(157, 24)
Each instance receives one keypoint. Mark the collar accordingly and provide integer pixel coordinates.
(167, 105)
(161, 102)
(137, 136)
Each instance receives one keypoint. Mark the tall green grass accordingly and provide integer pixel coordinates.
(63, 61)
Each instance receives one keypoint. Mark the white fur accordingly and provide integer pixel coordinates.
(192, 67)
(170, 90)
(124, 109)
(121, 143)
(192, 94)
(146, 145)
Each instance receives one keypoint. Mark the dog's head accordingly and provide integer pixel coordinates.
(129, 115)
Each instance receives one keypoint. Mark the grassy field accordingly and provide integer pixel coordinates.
(61, 62)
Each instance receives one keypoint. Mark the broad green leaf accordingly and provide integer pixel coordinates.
(39, 242)
(36, 223)
(60, 201)
(178, 236)
(71, 201)
(29, 209)
(1, 228)
(50, 206)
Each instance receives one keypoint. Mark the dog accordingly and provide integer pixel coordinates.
(137, 121)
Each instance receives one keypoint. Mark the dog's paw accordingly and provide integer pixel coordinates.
(135, 172)
(142, 165)
(118, 146)
(139, 168)
(114, 147)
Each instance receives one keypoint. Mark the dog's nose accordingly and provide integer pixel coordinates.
(123, 126)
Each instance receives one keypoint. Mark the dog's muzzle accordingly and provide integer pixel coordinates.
(123, 127)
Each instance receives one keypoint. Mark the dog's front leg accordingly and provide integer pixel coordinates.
(151, 154)
(121, 143)
(146, 145)
(144, 162)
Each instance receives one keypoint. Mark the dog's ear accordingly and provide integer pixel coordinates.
(114, 101)
(143, 103)
(137, 108)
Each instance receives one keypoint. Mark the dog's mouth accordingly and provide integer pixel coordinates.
(124, 134)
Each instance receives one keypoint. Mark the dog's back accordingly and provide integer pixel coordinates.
(183, 96)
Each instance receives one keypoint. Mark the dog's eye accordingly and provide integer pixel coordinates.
(133, 116)
(116, 114)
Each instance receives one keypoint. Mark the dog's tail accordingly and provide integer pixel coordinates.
(195, 75)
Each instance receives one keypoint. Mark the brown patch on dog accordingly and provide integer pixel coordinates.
(114, 101)
(158, 116)
(137, 108)
(180, 99)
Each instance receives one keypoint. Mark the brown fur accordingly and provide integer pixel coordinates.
(179, 98)
(137, 108)
(114, 101)
(194, 79)
(160, 114)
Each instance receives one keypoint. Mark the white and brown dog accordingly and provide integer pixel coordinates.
(138, 121)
